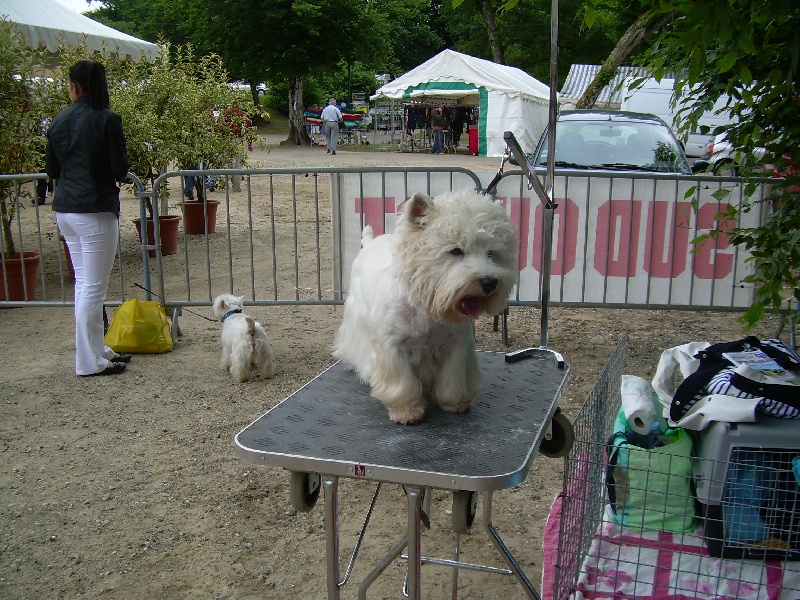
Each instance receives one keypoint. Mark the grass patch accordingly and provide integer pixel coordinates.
(278, 122)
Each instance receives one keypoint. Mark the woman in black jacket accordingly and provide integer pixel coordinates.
(87, 155)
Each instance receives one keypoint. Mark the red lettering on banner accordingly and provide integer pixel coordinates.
(520, 215)
(710, 263)
(670, 232)
(375, 211)
(565, 231)
(616, 245)
(565, 236)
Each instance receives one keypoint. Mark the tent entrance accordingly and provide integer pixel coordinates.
(403, 125)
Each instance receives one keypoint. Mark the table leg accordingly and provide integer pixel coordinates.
(456, 558)
(415, 496)
(331, 487)
(504, 552)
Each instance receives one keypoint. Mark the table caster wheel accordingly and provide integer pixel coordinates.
(562, 437)
(303, 490)
(465, 505)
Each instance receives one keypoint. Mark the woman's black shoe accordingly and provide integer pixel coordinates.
(115, 368)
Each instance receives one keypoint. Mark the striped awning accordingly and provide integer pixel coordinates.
(580, 76)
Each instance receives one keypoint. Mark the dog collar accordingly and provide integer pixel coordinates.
(229, 313)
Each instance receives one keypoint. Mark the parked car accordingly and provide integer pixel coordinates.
(655, 97)
(613, 140)
(722, 159)
(261, 88)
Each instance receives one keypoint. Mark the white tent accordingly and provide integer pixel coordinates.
(46, 22)
(508, 99)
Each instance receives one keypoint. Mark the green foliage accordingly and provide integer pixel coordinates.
(170, 108)
(282, 42)
(524, 27)
(413, 31)
(24, 113)
(177, 110)
(748, 51)
(339, 83)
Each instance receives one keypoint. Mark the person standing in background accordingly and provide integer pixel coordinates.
(437, 124)
(457, 119)
(331, 115)
(87, 154)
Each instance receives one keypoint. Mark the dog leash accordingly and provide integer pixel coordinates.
(491, 188)
(157, 296)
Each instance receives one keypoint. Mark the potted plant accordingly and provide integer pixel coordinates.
(214, 129)
(23, 112)
(140, 93)
(168, 109)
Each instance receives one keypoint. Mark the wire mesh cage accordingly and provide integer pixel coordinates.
(709, 514)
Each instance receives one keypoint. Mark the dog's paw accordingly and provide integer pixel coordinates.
(407, 416)
(462, 407)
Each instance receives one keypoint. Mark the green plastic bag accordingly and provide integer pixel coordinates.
(650, 489)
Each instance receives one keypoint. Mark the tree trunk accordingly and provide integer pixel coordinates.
(6, 214)
(488, 12)
(639, 31)
(297, 128)
(254, 94)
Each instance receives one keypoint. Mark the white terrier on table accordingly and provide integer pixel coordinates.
(244, 341)
(407, 327)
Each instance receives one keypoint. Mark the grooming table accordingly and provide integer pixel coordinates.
(334, 428)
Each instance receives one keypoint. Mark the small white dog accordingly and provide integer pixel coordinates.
(407, 326)
(244, 341)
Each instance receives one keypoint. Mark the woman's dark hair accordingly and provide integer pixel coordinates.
(90, 75)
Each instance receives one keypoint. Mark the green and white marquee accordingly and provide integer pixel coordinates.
(507, 98)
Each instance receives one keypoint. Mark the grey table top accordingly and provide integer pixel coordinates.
(333, 426)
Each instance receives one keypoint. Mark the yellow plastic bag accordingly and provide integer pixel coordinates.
(139, 326)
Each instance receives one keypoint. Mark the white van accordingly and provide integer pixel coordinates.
(655, 96)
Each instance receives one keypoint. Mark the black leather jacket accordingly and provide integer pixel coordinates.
(87, 154)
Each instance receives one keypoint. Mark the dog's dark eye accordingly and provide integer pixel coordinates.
(457, 252)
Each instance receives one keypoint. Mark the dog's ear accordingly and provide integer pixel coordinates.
(417, 207)
(239, 300)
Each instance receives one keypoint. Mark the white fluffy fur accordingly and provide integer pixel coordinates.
(244, 342)
(407, 327)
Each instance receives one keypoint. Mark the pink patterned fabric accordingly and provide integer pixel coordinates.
(670, 566)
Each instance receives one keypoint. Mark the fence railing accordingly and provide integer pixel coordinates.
(289, 235)
(45, 261)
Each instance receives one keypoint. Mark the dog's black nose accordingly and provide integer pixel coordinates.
(488, 284)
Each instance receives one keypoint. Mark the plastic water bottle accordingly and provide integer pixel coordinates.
(655, 437)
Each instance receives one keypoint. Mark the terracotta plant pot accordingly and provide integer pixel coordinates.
(194, 216)
(168, 225)
(12, 271)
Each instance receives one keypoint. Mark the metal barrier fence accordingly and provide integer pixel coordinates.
(289, 235)
(45, 260)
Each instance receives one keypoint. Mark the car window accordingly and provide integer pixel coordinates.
(612, 145)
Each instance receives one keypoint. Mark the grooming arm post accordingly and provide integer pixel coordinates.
(549, 213)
